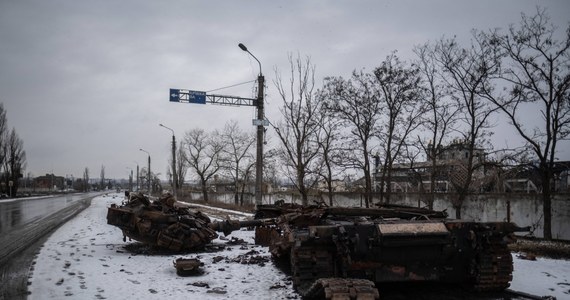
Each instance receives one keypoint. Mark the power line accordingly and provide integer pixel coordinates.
(229, 86)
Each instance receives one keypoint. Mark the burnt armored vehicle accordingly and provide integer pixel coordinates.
(345, 252)
(165, 225)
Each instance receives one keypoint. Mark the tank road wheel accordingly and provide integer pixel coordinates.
(309, 264)
(493, 267)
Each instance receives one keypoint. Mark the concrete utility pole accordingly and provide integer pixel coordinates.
(149, 173)
(260, 131)
(174, 177)
(138, 187)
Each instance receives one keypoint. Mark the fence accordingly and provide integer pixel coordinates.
(523, 209)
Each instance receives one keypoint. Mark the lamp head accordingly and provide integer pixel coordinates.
(242, 47)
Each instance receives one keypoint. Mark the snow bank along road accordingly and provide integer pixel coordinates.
(87, 259)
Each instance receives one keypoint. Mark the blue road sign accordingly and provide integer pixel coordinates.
(187, 96)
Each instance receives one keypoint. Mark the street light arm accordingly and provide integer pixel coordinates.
(161, 125)
(244, 48)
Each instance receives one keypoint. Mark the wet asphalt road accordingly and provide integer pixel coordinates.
(24, 226)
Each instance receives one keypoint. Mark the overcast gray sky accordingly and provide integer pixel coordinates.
(86, 83)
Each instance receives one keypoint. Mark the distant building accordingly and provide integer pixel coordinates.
(562, 176)
(337, 186)
(450, 167)
(456, 151)
(50, 181)
(525, 178)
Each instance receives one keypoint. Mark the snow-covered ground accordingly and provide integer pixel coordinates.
(85, 259)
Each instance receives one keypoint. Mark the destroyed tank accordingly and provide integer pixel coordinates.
(164, 224)
(346, 252)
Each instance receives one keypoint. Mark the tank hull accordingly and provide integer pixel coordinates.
(161, 224)
(391, 245)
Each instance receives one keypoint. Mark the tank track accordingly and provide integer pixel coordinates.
(493, 267)
(313, 277)
(342, 288)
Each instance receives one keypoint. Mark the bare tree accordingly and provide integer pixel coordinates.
(181, 165)
(537, 72)
(440, 115)
(155, 183)
(86, 179)
(356, 104)
(299, 128)
(181, 169)
(145, 177)
(237, 158)
(102, 183)
(410, 154)
(169, 173)
(400, 92)
(328, 155)
(3, 132)
(15, 161)
(12, 154)
(271, 170)
(202, 152)
(152, 180)
(467, 74)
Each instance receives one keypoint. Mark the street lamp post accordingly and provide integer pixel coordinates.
(138, 186)
(260, 131)
(137, 174)
(149, 173)
(174, 177)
